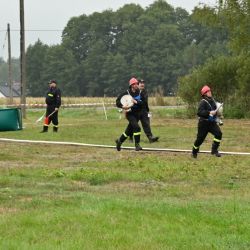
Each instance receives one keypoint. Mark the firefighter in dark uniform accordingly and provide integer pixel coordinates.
(53, 101)
(132, 114)
(144, 114)
(207, 123)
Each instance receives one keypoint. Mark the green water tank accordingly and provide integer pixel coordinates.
(10, 119)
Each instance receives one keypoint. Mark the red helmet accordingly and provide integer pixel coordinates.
(133, 81)
(205, 89)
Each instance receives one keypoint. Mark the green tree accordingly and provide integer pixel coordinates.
(4, 70)
(92, 68)
(123, 29)
(158, 43)
(61, 66)
(114, 76)
(161, 40)
(35, 65)
(228, 76)
(235, 15)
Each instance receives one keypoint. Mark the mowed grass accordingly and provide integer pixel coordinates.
(71, 197)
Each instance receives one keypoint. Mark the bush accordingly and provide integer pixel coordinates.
(229, 80)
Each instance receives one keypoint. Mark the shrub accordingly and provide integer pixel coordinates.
(229, 80)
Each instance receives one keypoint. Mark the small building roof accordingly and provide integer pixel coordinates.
(5, 91)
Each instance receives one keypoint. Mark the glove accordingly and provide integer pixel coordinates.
(211, 118)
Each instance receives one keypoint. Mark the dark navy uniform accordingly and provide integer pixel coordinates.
(207, 124)
(53, 101)
(133, 116)
(144, 118)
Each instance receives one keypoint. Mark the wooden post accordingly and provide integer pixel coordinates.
(10, 67)
(22, 60)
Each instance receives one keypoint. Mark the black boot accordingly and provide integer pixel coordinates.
(137, 142)
(214, 150)
(45, 129)
(138, 147)
(195, 151)
(118, 145)
(120, 141)
(55, 129)
(153, 139)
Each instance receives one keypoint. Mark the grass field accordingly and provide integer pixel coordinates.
(71, 197)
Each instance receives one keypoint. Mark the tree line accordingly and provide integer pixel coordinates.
(4, 71)
(174, 51)
(228, 75)
(100, 52)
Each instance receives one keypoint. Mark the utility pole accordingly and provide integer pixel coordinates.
(10, 67)
(22, 60)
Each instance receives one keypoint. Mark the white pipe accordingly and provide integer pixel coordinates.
(108, 146)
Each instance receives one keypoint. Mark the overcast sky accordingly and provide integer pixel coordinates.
(54, 15)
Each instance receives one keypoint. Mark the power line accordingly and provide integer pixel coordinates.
(17, 30)
(26, 30)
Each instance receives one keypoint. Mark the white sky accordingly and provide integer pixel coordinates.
(54, 15)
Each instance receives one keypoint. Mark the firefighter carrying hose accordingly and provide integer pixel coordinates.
(207, 112)
(132, 114)
(53, 101)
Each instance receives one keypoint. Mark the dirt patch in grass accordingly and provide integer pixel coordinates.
(8, 210)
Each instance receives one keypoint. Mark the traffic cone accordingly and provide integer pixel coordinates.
(46, 120)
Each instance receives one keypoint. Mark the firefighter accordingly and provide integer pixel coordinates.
(145, 115)
(207, 123)
(132, 114)
(53, 101)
